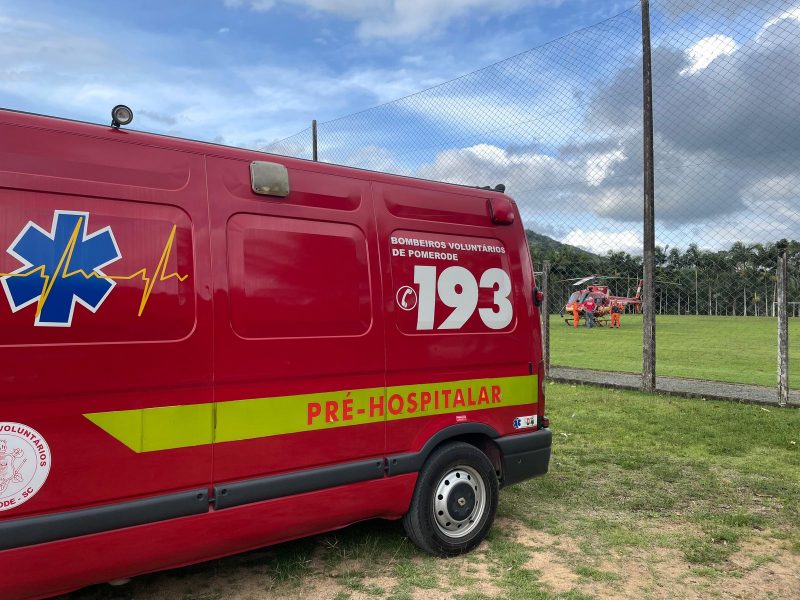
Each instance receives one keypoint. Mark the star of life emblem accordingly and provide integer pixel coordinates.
(60, 268)
(525, 422)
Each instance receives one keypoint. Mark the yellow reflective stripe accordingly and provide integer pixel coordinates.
(123, 425)
(425, 399)
(263, 417)
(161, 428)
(170, 427)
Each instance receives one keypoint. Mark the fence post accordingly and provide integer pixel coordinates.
(649, 317)
(783, 326)
(545, 312)
(314, 154)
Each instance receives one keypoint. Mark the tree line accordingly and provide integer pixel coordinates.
(738, 281)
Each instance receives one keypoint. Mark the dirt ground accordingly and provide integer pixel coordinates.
(554, 566)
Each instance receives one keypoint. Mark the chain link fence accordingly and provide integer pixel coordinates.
(561, 126)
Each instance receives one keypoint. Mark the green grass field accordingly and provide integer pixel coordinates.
(648, 496)
(736, 349)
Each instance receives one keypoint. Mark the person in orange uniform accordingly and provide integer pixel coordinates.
(616, 311)
(576, 314)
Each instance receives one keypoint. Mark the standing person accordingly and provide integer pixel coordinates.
(588, 310)
(616, 311)
(576, 314)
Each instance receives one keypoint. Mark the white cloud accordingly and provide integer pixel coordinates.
(258, 5)
(601, 241)
(474, 112)
(791, 15)
(397, 19)
(600, 166)
(585, 183)
(387, 85)
(374, 158)
(523, 173)
(704, 52)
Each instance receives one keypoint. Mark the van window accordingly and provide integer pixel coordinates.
(297, 278)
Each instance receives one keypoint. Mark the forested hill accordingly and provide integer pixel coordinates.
(546, 247)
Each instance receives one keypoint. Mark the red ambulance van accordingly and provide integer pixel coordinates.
(205, 350)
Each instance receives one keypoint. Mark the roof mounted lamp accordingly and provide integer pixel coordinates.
(121, 115)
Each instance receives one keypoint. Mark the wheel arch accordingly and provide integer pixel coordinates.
(480, 435)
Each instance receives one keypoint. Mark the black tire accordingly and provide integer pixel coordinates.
(447, 519)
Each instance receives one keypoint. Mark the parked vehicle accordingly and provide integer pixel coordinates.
(205, 350)
(603, 300)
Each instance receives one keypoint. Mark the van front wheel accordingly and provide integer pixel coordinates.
(454, 502)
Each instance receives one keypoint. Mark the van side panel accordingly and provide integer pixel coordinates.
(299, 341)
(135, 551)
(105, 324)
(460, 349)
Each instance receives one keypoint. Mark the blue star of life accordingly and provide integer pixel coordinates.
(62, 264)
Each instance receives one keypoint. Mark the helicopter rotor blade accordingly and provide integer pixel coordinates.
(584, 280)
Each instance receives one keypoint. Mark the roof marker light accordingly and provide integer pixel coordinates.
(121, 115)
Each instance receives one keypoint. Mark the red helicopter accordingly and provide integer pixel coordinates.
(603, 300)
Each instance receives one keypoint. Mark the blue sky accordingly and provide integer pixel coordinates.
(559, 121)
(245, 72)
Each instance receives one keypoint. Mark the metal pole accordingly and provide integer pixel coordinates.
(696, 296)
(783, 326)
(649, 318)
(545, 312)
(314, 154)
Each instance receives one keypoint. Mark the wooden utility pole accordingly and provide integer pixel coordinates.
(783, 326)
(545, 312)
(649, 317)
(314, 153)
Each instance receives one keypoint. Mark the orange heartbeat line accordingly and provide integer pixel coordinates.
(63, 271)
